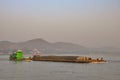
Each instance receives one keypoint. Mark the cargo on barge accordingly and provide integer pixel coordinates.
(75, 59)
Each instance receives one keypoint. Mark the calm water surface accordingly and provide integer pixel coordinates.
(36, 70)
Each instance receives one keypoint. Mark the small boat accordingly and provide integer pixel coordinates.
(18, 56)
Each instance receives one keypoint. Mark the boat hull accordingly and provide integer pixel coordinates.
(73, 59)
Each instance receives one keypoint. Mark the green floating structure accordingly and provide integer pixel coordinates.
(18, 55)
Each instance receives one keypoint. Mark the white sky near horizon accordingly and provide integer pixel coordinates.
(92, 23)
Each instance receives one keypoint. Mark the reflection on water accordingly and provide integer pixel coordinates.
(36, 70)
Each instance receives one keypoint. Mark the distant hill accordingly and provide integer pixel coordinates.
(43, 46)
(56, 48)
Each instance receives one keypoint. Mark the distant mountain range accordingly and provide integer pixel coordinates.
(43, 46)
(55, 48)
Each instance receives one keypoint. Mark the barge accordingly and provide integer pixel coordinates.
(18, 56)
(74, 59)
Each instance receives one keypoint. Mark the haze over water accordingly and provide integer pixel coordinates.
(92, 23)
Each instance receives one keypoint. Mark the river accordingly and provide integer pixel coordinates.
(38, 70)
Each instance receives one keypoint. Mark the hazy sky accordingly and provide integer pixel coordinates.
(92, 23)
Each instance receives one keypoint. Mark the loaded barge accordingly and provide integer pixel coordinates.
(74, 59)
(18, 56)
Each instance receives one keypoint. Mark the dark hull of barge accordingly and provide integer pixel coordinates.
(73, 59)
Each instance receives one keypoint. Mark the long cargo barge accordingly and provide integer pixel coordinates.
(18, 56)
(75, 59)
